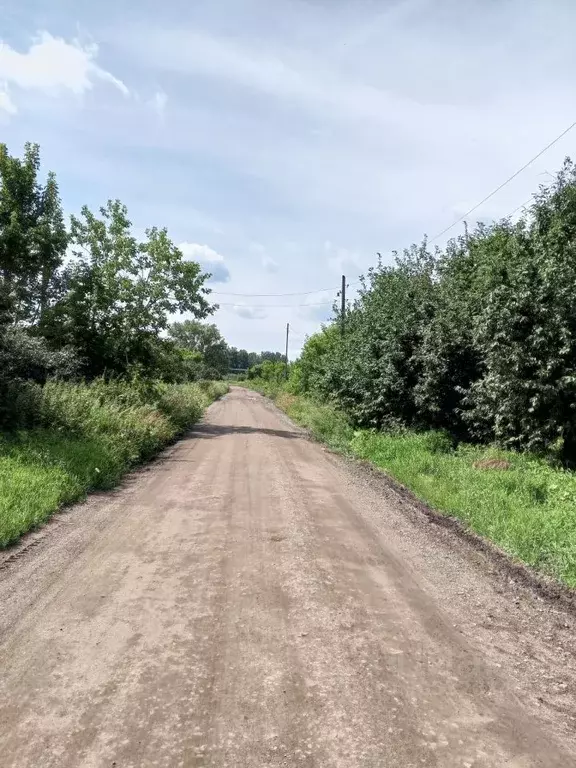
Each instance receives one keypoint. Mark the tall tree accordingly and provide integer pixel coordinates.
(205, 339)
(119, 292)
(33, 236)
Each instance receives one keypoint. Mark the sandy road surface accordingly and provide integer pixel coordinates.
(249, 600)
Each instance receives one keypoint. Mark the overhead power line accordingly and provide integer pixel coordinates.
(523, 205)
(504, 183)
(274, 306)
(432, 239)
(273, 295)
(282, 295)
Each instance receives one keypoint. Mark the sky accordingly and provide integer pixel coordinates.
(285, 143)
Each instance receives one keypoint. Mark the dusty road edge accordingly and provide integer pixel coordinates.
(512, 572)
(38, 536)
(512, 575)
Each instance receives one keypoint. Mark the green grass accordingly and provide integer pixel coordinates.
(528, 509)
(89, 436)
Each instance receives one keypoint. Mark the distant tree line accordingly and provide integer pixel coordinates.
(210, 353)
(478, 339)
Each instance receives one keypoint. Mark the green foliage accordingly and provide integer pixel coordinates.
(102, 313)
(242, 360)
(268, 371)
(478, 340)
(528, 508)
(89, 436)
(206, 341)
(118, 292)
(373, 370)
(183, 404)
(26, 362)
(325, 422)
(527, 331)
(33, 237)
(24, 356)
(308, 374)
(33, 240)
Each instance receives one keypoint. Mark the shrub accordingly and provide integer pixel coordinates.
(25, 363)
(268, 371)
(183, 404)
(478, 340)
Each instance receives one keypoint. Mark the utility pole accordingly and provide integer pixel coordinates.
(343, 306)
(287, 335)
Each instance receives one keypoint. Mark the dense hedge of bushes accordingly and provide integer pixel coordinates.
(478, 340)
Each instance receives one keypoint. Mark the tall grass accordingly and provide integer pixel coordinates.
(88, 436)
(520, 502)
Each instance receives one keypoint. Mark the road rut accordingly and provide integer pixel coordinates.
(251, 600)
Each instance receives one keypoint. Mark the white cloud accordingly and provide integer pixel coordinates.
(358, 128)
(52, 65)
(321, 87)
(209, 259)
(247, 312)
(343, 260)
(317, 307)
(6, 103)
(269, 264)
(158, 103)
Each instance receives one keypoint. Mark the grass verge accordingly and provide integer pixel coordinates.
(518, 501)
(88, 436)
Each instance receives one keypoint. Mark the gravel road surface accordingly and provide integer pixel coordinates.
(251, 600)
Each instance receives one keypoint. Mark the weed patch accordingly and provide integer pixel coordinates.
(90, 435)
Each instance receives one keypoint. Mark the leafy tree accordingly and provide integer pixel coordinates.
(119, 292)
(242, 359)
(275, 357)
(26, 362)
(309, 373)
(526, 331)
(204, 339)
(449, 357)
(268, 371)
(479, 340)
(373, 371)
(33, 237)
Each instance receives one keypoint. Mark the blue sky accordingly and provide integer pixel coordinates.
(284, 142)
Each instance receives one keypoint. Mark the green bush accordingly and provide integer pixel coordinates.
(88, 436)
(478, 340)
(183, 404)
(137, 430)
(268, 371)
(26, 362)
(20, 403)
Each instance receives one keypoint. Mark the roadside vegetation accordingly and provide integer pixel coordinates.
(457, 376)
(86, 437)
(209, 356)
(93, 378)
(519, 501)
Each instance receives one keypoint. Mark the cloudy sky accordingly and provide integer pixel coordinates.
(283, 143)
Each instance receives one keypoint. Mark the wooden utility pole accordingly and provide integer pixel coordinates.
(287, 335)
(343, 306)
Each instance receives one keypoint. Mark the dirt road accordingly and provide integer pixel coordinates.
(250, 600)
